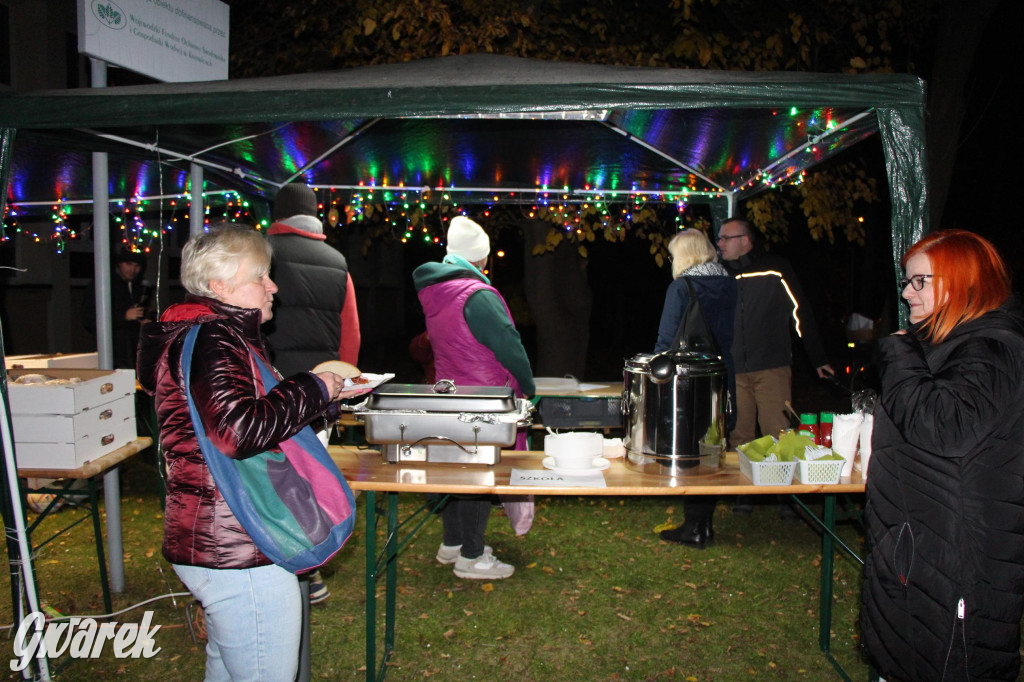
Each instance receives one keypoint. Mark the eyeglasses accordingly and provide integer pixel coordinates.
(723, 238)
(917, 281)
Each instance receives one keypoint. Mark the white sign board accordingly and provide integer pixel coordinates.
(170, 40)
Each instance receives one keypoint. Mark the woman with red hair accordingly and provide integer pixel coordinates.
(943, 589)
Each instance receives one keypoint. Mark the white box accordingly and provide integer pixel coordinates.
(72, 455)
(58, 361)
(98, 386)
(68, 428)
(63, 426)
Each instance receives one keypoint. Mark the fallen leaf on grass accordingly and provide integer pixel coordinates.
(424, 616)
(449, 634)
(692, 586)
(467, 612)
(623, 616)
(487, 587)
(533, 565)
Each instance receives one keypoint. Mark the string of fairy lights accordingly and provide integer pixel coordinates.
(136, 218)
(407, 213)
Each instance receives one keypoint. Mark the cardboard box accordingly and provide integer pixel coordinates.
(98, 387)
(63, 426)
(58, 361)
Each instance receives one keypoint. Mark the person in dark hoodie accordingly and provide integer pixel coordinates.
(475, 343)
(695, 261)
(253, 607)
(943, 589)
(769, 303)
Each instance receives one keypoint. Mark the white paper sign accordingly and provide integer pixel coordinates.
(170, 40)
(549, 479)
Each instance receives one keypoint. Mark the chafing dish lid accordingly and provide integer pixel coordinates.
(480, 399)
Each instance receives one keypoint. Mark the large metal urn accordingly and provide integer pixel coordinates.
(673, 410)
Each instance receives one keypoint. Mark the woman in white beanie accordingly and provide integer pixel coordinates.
(475, 343)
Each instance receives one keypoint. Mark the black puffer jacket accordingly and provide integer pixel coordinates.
(944, 576)
(199, 529)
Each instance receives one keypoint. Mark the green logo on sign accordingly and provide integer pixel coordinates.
(109, 13)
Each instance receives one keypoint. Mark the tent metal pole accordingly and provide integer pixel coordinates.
(636, 140)
(104, 331)
(179, 156)
(816, 139)
(197, 214)
(356, 133)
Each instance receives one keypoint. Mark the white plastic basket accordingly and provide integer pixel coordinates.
(821, 471)
(767, 473)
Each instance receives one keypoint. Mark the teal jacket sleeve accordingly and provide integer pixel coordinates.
(489, 322)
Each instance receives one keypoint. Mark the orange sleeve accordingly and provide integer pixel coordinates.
(348, 351)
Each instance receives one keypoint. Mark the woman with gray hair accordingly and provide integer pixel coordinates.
(253, 607)
(695, 260)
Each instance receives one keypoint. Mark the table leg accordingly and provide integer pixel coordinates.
(371, 585)
(827, 573)
(98, 532)
(115, 546)
(391, 585)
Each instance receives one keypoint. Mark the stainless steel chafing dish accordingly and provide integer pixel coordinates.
(443, 423)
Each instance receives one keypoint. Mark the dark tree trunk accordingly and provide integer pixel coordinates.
(961, 26)
(560, 300)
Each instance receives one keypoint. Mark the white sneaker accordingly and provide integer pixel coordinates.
(484, 567)
(447, 554)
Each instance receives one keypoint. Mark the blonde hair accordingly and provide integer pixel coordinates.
(216, 253)
(688, 248)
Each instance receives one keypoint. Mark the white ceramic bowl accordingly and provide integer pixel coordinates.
(575, 450)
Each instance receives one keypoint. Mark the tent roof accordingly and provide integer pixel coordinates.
(476, 123)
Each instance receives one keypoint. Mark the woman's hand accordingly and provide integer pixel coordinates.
(334, 383)
(336, 387)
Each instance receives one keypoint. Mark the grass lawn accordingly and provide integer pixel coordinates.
(596, 595)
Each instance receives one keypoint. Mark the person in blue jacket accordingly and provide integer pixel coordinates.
(695, 260)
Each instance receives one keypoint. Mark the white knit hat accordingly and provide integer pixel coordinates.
(468, 240)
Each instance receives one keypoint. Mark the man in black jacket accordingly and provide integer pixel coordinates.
(770, 299)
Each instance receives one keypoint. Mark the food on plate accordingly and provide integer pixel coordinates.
(349, 372)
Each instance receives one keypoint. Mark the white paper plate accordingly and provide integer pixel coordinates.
(600, 464)
(375, 380)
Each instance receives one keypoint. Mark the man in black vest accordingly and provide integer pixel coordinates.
(315, 314)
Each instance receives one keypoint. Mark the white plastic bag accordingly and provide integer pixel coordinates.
(846, 430)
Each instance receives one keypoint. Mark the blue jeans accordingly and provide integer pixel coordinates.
(253, 621)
